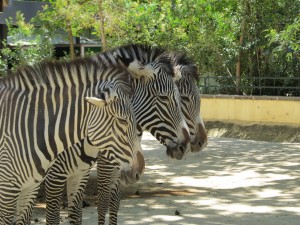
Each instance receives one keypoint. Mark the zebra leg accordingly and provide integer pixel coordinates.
(8, 202)
(75, 189)
(25, 204)
(104, 179)
(115, 198)
(54, 186)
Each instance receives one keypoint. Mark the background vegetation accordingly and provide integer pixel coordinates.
(240, 39)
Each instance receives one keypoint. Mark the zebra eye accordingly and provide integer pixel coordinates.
(122, 121)
(185, 98)
(164, 98)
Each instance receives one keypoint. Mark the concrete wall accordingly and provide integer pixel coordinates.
(251, 109)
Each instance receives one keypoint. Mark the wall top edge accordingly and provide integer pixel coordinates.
(249, 97)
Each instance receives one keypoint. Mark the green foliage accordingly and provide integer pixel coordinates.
(79, 13)
(263, 36)
(285, 43)
(205, 30)
(30, 45)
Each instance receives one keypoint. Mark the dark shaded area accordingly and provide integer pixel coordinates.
(231, 182)
(258, 132)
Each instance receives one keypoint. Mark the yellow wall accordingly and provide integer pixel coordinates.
(249, 109)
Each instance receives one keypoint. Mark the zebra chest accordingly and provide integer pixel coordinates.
(78, 158)
(6, 153)
(9, 162)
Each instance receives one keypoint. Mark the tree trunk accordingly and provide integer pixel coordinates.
(238, 64)
(102, 32)
(3, 34)
(71, 41)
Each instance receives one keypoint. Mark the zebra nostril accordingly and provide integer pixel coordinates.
(137, 176)
(181, 148)
(200, 143)
(169, 152)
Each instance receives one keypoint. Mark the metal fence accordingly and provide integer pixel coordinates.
(273, 86)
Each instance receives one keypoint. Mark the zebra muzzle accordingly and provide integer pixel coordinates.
(176, 152)
(133, 174)
(198, 146)
(129, 176)
(200, 141)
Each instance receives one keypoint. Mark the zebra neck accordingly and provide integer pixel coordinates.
(46, 105)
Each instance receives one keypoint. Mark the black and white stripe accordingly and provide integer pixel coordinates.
(156, 103)
(187, 78)
(49, 107)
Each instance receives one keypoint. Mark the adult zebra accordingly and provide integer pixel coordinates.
(186, 77)
(156, 107)
(45, 109)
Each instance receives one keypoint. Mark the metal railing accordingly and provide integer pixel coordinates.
(273, 86)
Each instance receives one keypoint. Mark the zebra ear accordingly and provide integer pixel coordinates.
(177, 73)
(139, 70)
(103, 97)
(135, 67)
(108, 94)
(123, 61)
(98, 102)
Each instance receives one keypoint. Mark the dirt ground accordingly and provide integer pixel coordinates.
(231, 182)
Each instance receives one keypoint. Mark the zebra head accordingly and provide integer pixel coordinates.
(112, 128)
(156, 99)
(186, 76)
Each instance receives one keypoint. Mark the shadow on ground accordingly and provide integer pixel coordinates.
(232, 182)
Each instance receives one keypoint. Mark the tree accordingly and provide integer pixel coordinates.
(74, 16)
(30, 45)
(101, 19)
(243, 40)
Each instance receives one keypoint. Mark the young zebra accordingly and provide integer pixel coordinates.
(47, 108)
(156, 106)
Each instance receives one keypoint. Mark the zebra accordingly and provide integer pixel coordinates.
(149, 100)
(48, 107)
(187, 77)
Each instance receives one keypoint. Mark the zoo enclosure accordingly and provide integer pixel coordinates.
(251, 109)
(272, 86)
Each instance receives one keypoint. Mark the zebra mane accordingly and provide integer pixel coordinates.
(143, 53)
(179, 58)
(40, 73)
